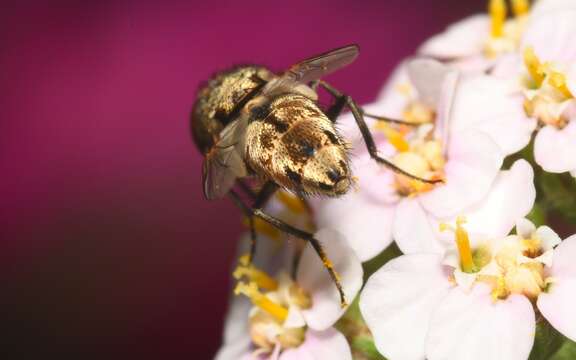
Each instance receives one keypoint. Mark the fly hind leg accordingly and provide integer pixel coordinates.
(282, 226)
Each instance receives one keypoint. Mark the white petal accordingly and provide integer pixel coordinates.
(557, 305)
(470, 326)
(552, 36)
(428, 78)
(554, 148)
(564, 255)
(545, 6)
(547, 258)
(510, 67)
(477, 64)
(236, 340)
(414, 230)
(295, 319)
(492, 269)
(571, 79)
(365, 224)
(525, 228)
(396, 94)
(375, 182)
(313, 277)
(473, 163)
(451, 257)
(548, 237)
(511, 198)
(464, 38)
(558, 308)
(398, 300)
(464, 280)
(488, 104)
(444, 108)
(328, 344)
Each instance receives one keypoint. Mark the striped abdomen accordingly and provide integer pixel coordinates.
(291, 141)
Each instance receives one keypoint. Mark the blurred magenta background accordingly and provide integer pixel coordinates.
(107, 247)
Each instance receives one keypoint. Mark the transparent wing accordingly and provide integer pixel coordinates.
(224, 163)
(324, 64)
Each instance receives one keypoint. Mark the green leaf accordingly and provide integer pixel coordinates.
(558, 194)
(547, 341)
(353, 327)
(566, 352)
(537, 215)
(363, 346)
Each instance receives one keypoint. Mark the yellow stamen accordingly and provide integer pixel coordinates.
(558, 81)
(264, 228)
(292, 202)
(497, 9)
(418, 113)
(260, 300)
(259, 277)
(463, 243)
(499, 291)
(520, 7)
(534, 66)
(394, 137)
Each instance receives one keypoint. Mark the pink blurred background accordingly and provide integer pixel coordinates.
(108, 248)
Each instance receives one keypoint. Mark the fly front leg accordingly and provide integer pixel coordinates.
(289, 229)
(340, 102)
(365, 131)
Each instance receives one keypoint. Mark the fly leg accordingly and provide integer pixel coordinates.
(282, 226)
(366, 135)
(259, 200)
(340, 102)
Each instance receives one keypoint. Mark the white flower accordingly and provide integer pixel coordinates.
(475, 43)
(290, 317)
(317, 345)
(476, 305)
(511, 196)
(467, 158)
(542, 82)
(275, 252)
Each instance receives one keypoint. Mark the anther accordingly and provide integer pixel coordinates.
(394, 137)
(534, 66)
(520, 7)
(463, 243)
(497, 9)
(260, 300)
(250, 272)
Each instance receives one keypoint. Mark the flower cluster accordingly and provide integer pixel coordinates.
(462, 269)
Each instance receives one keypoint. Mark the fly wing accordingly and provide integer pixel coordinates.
(225, 163)
(324, 64)
(301, 74)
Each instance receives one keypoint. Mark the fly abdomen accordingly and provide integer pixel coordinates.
(291, 141)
